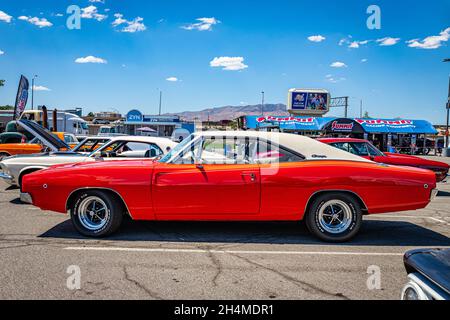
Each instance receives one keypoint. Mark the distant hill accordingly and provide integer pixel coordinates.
(232, 112)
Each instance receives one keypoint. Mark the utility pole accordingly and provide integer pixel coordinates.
(32, 91)
(262, 103)
(360, 108)
(160, 101)
(346, 107)
(448, 118)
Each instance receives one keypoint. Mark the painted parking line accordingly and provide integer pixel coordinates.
(410, 217)
(244, 252)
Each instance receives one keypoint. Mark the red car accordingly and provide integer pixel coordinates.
(366, 150)
(233, 176)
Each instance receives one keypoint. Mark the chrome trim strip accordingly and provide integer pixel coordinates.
(427, 286)
(98, 188)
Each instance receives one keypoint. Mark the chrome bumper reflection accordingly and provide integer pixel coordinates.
(26, 198)
(434, 194)
(5, 177)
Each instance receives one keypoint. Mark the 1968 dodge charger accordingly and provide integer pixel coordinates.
(239, 176)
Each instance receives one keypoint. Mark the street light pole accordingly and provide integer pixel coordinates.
(262, 103)
(32, 91)
(160, 101)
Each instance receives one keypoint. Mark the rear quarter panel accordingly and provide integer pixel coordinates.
(382, 188)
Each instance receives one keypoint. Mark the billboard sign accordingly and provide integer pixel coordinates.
(308, 101)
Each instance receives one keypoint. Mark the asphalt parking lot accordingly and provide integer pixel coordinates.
(155, 260)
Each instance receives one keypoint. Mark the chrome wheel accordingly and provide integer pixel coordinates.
(335, 216)
(93, 213)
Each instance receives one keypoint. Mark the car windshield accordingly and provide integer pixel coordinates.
(177, 149)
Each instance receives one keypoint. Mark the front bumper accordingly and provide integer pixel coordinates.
(6, 177)
(434, 194)
(26, 198)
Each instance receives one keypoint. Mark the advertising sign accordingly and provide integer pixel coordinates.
(308, 101)
(21, 98)
(134, 116)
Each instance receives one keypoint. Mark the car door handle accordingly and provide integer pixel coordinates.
(251, 175)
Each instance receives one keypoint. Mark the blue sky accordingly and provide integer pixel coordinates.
(130, 49)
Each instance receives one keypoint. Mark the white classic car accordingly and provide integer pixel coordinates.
(91, 149)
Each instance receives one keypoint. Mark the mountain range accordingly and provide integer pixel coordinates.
(232, 112)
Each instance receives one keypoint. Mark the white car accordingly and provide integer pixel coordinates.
(113, 148)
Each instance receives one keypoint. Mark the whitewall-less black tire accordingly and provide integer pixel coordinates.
(334, 217)
(96, 213)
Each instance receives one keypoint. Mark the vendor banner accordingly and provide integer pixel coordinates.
(21, 98)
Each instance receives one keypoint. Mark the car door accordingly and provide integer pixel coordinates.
(211, 179)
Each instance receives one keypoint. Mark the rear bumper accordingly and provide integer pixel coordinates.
(26, 198)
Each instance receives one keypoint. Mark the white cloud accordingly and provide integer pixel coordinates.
(229, 63)
(2, 52)
(357, 44)
(431, 42)
(98, 1)
(59, 15)
(364, 60)
(388, 41)
(40, 22)
(41, 88)
(204, 24)
(338, 64)
(172, 79)
(332, 79)
(91, 59)
(91, 12)
(5, 17)
(317, 38)
(132, 26)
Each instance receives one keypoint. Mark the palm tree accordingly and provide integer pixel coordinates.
(2, 83)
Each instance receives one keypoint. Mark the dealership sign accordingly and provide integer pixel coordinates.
(308, 101)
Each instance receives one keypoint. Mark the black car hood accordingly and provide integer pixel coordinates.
(432, 263)
(43, 134)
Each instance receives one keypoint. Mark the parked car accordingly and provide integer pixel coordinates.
(365, 149)
(68, 138)
(233, 176)
(35, 145)
(428, 274)
(100, 121)
(115, 148)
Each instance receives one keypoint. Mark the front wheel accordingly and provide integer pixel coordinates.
(96, 213)
(334, 217)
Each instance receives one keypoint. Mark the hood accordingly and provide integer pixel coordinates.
(102, 164)
(47, 138)
(404, 159)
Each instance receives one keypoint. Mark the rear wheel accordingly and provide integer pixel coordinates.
(96, 213)
(334, 217)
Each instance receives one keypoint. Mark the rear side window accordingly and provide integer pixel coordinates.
(267, 152)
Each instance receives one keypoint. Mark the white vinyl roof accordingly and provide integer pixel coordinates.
(310, 148)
